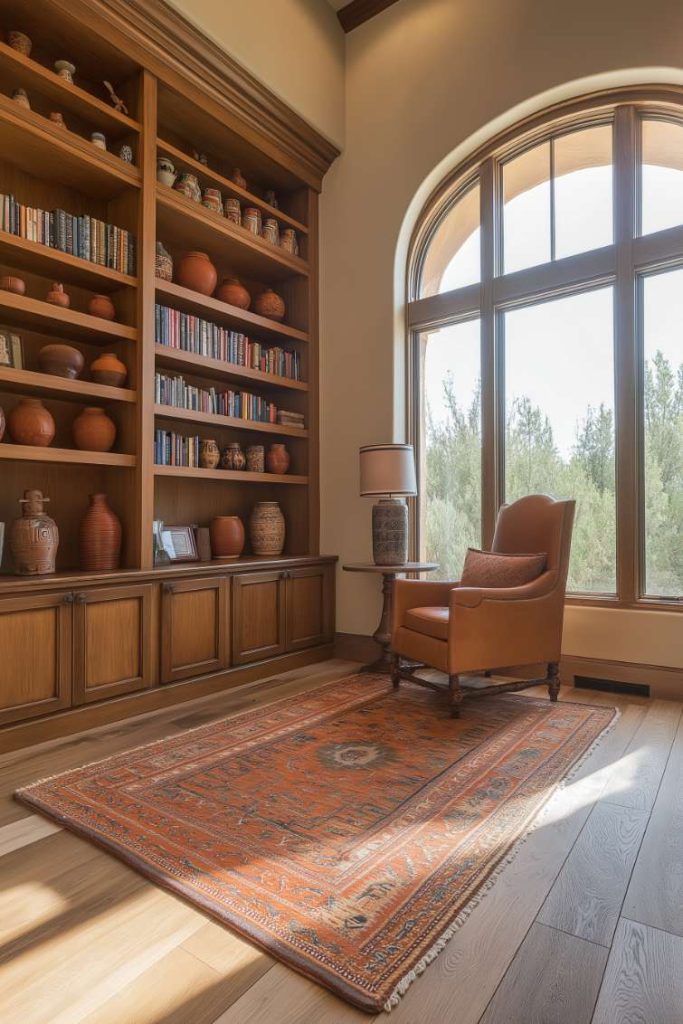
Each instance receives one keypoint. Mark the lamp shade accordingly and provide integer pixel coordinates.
(387, 469)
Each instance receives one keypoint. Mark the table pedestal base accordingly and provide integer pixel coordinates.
(382, 634)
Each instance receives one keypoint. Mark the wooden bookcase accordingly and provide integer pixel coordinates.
(184, 97)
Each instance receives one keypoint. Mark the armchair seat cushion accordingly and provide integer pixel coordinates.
(429, 621)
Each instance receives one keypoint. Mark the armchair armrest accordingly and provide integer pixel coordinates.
(419, 594)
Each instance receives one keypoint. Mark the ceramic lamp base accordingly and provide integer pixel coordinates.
(390, 532)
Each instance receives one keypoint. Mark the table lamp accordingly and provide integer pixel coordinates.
(388, 470)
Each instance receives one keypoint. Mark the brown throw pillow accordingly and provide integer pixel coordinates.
(490, 569)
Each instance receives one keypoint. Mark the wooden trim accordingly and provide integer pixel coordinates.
(359, 11)
(664, 681)
(354, 647)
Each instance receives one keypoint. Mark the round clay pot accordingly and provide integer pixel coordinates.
(233, 292)
(29, 422)
(60, 361)
(99, 536)
(2, 423)
(57, 296)
(277, 459)
(233, 457)
(20, 42)
(209, 454)
(270, 304)
(9, 283)
(227, 536)
(196, 271)
(267, 528)
(102, 306)
(108, 369)
(93, 431)
(33, 539)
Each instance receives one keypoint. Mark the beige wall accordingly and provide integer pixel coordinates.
(296, 47)
(426, 81)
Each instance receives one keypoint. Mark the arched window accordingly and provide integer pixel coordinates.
(545, 316)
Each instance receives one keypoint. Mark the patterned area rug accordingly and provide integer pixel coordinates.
(347, 831)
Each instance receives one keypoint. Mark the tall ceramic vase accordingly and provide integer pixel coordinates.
(34, 538)
(99, 536)
(267, 528)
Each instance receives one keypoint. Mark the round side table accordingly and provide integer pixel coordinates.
(383, 632)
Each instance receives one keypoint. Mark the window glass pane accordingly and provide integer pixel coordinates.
(582, 166)
(526, 210)
(559, 414)
(452, 259)
(662, 176)
(450, 451)
(663, 433)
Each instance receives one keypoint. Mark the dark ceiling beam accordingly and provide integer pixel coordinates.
(358, 11)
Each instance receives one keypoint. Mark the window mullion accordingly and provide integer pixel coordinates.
(491, 455)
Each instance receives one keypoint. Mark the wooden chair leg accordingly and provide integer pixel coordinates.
(553, 680)
(455, 694)
(395, 670)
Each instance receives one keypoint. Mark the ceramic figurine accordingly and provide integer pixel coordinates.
(20, 42)
(238, 178)
(271, 232)
(233, 457)
(289, 241)
(57, 119)
(66, 70)
(251, 220)
(34, 539)
(212, 200)
(201, 158)
(165, 171)
(98, 139)
(271, 199)
(126, 153)
(57, 296)
(117, 102)
(163, 263)
(20, 96)
(233, 210)
(188, 185)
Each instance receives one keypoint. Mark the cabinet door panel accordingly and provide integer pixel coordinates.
(194, 627)
(258, 620)
(35, 655)
(112, 642)
(310, 600)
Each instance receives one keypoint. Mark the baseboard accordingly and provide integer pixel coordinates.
(663, 681)
(355, 647)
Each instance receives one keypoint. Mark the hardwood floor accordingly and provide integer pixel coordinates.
(586, 923)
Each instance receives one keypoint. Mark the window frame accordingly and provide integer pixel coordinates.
(623, 265)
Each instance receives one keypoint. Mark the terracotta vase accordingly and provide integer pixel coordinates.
(163, 263)
(233, 457)
(209, 454)
(233, 291)
(108, 369)
(10, 283)
(61, 361)
(270, 304)
(20, 42)
(277, 459)
(33, 539)
(103, 307)
(99, 536)
(29, 422)
(267, 528)
(196, 272)
(57, 296)
(93, 431)
(227, 536)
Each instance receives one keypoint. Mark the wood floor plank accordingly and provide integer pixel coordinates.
(553, 977)
(655, 894)
(643, 982)
(643, 763)
(587, 896)
(24, 832)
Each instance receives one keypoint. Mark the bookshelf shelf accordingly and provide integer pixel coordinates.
(229, 476)
(218, 369)
(45, 261)
(28, 382)
(27, 453)
(34, 314)
(170, 412)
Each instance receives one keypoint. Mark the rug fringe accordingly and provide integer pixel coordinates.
(441, 943)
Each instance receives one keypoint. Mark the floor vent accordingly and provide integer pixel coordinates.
(611, 686)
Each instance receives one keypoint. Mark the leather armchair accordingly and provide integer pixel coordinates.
(461, 630)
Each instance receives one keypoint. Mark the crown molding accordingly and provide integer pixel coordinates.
(358, 11)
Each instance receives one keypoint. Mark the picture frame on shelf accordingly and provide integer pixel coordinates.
(11, 350)
(179, 543)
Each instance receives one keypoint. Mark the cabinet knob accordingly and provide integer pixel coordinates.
(68, 599)
(285, 575)
(167, 588)
(80, 598)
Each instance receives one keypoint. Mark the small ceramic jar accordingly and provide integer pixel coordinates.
(289, 242)
(57, 119)
(163, 263)
(209, 454)
(271, 232)
(102, 306)
(165, 171)
(66, 70)
(126, 153)
(238, 178)
(20, 42)
(251, 220)
(188, 185)
(233, 210)
(233, 457)
(57, 296)
(256, 461)
(20, 96)
(98, 139)
(271, 199)
(212, 200)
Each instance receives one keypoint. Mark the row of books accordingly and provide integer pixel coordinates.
(78, 235)
(175, 391)
(193, 334)
(172, 449)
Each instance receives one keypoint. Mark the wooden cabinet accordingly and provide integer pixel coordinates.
(194, 628)
(258, 616)
(112, 641)
(309, 603)
(35, 655)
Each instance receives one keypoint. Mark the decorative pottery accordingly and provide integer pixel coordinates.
(93, 430)
(10, 283)
(270, 304)
(271, 231)
(256, 459)
(29, 422)
(57, 296)
(98, 140)
(227, 536)
(238, 178)
(117, 102)
(233, 457)
(61, 361)
(271, 198)
(289, 242)
(267, 528)
(108, 369)
(66, 70)
(212, 200)
(57, 119)
(165, 171)
(2, 423)
(102, 306)
(188, 184)
(233, 210)
(390, 532)
(33, 539)
(201, 158)
(209, 454)
(196, 271)
(251, 220)
(233, 291)
(277, 459)
(163, 263)
(20, 42)
(99, 536)
(126, 153)
(20, 96)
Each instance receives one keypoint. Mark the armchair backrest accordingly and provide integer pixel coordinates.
(537, 523)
